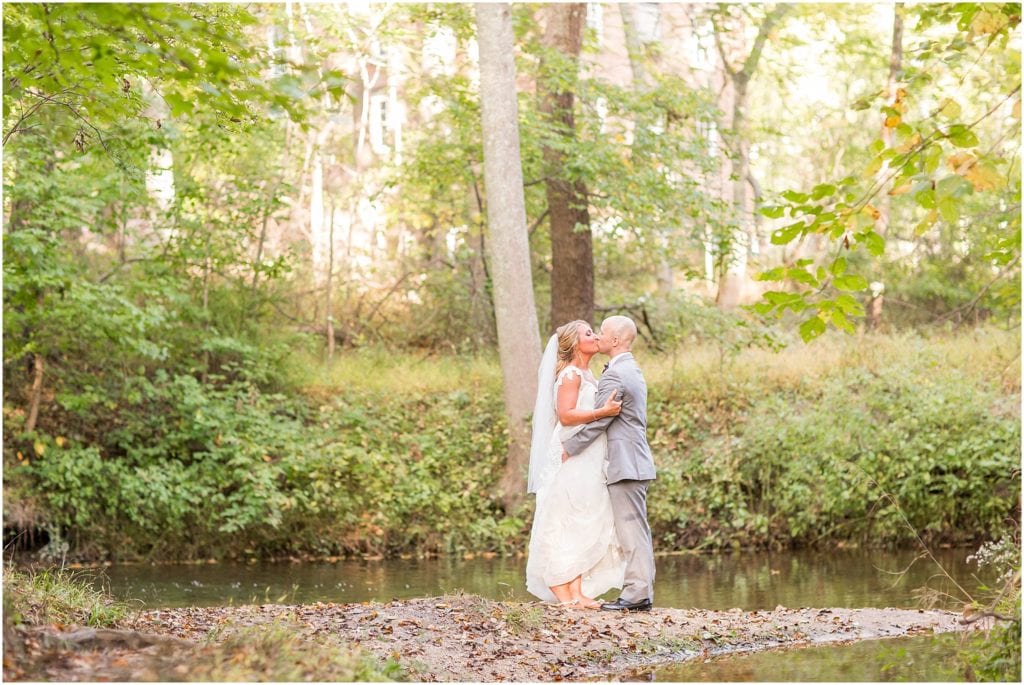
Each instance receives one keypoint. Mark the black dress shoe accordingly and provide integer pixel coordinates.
(624, 606)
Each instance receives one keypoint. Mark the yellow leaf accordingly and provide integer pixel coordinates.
(927, 222)
(21, 457)
(988, 22)
(900, 94)
(60, 441)
(892, 121)
(267, 458)
(872, 211)
(901, 190)
(949, 108)
(873, 166)
(1016, 109)
(899, 107)
(40, 448)
(984, 177)
(911, 143)
(961, 162)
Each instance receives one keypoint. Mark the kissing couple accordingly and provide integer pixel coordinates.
(590, 467)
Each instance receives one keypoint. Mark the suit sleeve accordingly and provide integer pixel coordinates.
(581, 440)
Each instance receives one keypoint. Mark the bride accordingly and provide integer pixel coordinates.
(574, 554)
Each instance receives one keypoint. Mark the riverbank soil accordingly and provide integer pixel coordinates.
(465, 637)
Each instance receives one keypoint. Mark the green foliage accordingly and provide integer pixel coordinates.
(945, 177)
(994, 654)
(375, 459)
(274, 653)
(48, 596)
(818, 461)
(196, 470)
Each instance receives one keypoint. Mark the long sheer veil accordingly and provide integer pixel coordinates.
(544, 418)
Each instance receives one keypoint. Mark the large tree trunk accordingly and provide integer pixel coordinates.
(572, 253)
(514, 310)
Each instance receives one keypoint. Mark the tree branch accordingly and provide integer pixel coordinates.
(762, 35)
(538, 222)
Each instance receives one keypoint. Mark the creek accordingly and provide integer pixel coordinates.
(748, 580)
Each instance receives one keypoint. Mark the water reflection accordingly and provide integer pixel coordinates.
(749, 580)
(922, 658)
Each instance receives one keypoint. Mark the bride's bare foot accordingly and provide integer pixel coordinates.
(587, 603)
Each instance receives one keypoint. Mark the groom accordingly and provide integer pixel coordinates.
(630, 464)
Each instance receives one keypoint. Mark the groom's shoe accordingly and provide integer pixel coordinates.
(624, 606)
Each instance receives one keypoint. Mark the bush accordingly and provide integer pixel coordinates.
(831, 460)
(809, 447)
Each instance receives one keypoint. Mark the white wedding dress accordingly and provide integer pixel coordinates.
(573, 530)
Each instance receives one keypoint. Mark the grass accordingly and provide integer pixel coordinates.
(985, 352)
(380, 370)
(522, 618)
(275, 654)
(58, 596)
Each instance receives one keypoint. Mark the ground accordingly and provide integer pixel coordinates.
(469, 638)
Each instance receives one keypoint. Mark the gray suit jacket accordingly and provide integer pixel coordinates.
(629, 455)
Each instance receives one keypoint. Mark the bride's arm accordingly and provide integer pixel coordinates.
(569, 415)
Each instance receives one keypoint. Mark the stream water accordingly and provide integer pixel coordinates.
(748, 580)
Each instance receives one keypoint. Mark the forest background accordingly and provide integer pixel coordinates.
(252, 296)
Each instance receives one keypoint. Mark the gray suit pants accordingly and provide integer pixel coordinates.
(629, 508)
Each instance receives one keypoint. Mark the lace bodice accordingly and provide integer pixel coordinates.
(585, 400)
(588, 388)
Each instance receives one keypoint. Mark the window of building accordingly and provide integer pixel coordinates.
(647, 21)
(595, 20)
(709, 131)
(379, 112)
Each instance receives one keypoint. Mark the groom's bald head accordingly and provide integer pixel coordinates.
(620, 330)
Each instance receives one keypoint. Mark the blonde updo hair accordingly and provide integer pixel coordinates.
(568, 340)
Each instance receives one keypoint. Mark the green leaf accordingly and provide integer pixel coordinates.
(850, 305)
(811, 329)
(850, 283)
(838, 267)
(840, 321)
(822, 190)
(776, 274)
(961, 136)
(874, 242)
(178, 104)
(772, 212)
(949, 208)
(926, 198)
(794, 196)
(785, 235)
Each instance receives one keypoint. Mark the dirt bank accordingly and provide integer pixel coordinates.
(468, 638)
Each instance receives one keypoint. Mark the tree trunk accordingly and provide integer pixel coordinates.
(572, 253)
(36, 396)
(734, 277)
(635, 52)
(892, 99)
(330, 273)
(875, 304)
(514, 310)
